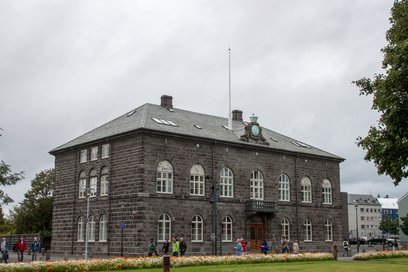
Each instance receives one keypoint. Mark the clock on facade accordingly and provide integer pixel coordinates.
(255, 130)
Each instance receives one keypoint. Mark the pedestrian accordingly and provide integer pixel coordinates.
(165, 248)
(346, 247)
(264, 247)
(21, 247)
(175, 247)
(295, 247)
(35, 248)
(152, 249)
(285, 245)
(4, 250)
(244, 246)
(238, 248)
(183, 247)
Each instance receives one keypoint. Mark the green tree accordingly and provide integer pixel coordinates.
(389, 225)
(404, 225)
(34, 214)
(387, 143)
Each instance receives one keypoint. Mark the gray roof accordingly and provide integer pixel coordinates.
(183, 122)
(363, 200)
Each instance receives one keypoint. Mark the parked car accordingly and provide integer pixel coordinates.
(353, 240)
(377, 240)
(393, 240)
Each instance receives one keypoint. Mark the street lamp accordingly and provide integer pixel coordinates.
(87, 194)
(213, 201)
(358, 240)
(121, 226)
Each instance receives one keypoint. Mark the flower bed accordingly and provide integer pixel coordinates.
(157, 262)
(380, 255)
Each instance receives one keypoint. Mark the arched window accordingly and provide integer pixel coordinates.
(164, 228)
(284, 188)
(306, 185)
(82, 184)
(227, 229)
(91, 229)
(256, 185)
(327, 191)
(104, 181)
(197, 180)
(197, 229)
(285, 224)
(93, 182)
(226, 183)
(103, 228)
(164, 180)
(328, 227)
(80, 229)
(307, 228)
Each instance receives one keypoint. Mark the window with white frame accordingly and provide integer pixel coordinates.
(105, 151)
(328, 233)
(164, 180)
(94, 153)
(164, 228)
(327, 192)
(82, 184)
(93, 183)
(197, 180)
(104, 181)
(80, 229)
(91, 229)
(227, 229)
(285, 227)
(256, 185)
(226, 182)
(84, 156)
(197, 229)
(306, 186)
(284, 188)
(103, 228)
(307, 229)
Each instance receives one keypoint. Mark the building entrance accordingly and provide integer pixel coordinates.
(257, 236)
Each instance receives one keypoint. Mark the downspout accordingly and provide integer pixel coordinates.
(296, 199)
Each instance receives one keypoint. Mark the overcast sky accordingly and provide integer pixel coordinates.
(67, 67)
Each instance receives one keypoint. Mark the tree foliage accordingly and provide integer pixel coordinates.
(388, 225)
(35, 212)
(387, 143)
(404, 225)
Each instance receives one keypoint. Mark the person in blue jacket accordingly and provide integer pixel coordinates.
(238, 248)
(264, 247)
(4, 250)
(35, 248)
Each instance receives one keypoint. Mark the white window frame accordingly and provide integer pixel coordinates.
(80, 229)
(328, 231)
(285, 228)
(91, 229)
(105, 153)
(104, 181)
(307, 229)
(197, 224)
(94, 153)
(306, 188)
(256, 185)
(83, 156)
(227, 229)
(103, 228)
(284, 188)
(164, 228)
(327, 191)
(82, 184)
(197, 183)
(226, 183)
(93, 183)
(164, 178)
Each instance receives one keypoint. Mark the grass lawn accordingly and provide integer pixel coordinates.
(380, 265)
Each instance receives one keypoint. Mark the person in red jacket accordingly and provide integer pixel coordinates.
(21, 247)
(244, 246)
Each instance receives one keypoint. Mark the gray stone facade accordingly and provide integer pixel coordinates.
(133, 200)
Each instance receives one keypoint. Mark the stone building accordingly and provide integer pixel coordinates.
(158, 172)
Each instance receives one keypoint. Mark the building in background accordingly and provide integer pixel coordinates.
(389, 207)
(364, 211)
(403, 211)
(159, 171)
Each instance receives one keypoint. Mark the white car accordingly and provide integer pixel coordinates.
(393, 240)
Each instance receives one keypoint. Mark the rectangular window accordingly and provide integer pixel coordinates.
(105, 151)
(104, 184)
(197, 185)
(84, 156)
(361, 209)
(362, 218)
(92, 185)
(82, 186)
(94, 153)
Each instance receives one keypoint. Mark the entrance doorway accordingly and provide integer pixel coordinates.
(257, 236)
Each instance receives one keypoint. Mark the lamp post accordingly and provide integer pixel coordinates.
(358, 240)
(121, 226)
(213, 201)
(87, 194)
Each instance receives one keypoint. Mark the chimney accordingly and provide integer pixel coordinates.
(167, 101)
(237, 115)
